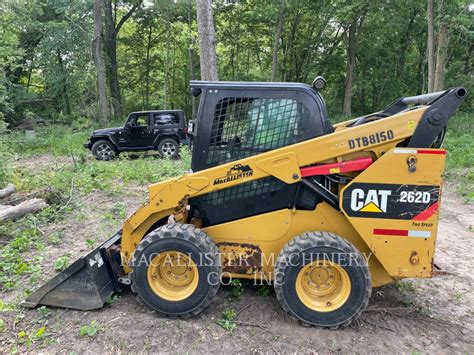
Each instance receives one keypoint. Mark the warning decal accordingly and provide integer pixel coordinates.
(417, 202)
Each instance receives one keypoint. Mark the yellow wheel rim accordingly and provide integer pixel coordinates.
(173, 276)
(323, 286)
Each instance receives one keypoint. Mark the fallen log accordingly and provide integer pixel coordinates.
(7, 191)
(14, 212)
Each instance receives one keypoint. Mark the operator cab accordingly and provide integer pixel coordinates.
(236, 120)
(240, 119)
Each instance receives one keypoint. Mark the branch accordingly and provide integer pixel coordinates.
(125, 18)
(7, 191)
(15, 212)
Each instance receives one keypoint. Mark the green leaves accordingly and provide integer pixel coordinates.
(89, 330)
(61, 263)
(228, 319)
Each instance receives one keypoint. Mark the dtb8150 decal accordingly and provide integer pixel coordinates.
(417, 202)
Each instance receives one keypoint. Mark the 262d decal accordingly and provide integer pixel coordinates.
(390, 200)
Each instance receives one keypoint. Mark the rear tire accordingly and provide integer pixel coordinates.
(169, 148)
(176, 270)
(103, 150)
(321, 279)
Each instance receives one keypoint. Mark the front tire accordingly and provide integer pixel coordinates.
(323, 280)
(169, 148)
(176, 270)
(103, 150)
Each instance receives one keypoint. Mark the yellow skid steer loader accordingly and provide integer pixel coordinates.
(276, 192)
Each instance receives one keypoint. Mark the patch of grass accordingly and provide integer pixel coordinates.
(405, 286)
(460, 160)
(112, 299)
(23, 236)
(458, 297)
(236, 288)
(25, 338)
(264, 290)
(57, 140)
(228, 319)
(61, 263)
(44, 311)
(89, 330)
(58, 184)
(91, 242)
(333, 345)
(55, 237)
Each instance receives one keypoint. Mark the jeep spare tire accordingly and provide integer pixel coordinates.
(168, 148)
(103, 150)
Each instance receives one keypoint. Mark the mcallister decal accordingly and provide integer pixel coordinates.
(238, 171)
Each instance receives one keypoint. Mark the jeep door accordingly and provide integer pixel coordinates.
(138, 133)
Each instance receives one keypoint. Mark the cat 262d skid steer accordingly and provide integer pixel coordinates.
(276, 192)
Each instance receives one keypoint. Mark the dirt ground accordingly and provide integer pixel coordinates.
(414, 316)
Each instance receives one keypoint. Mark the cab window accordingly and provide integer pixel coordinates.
(244, 127)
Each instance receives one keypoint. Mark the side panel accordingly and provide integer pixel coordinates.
(394, 206)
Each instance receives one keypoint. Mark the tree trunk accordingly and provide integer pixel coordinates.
(64, 92)
(14, 212)
(167, 70)
(147, 68)
(205, 23)
(111, 32)
(276, 43)
(111, 53)
(441, 57)
(351, 58)
(430, 46)
(114, 84)
(191, 56)
(104, 114)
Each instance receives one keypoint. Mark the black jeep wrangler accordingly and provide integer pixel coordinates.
(147, 130)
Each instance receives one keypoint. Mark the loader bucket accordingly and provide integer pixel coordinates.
(84, 285)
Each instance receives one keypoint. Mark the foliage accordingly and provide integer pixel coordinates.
(5, 153)
(460, 160)
(236, 288)
(47, 70)
(22, 236)
(61, 263)
(264, 290)
(228, 319)
(89, 330)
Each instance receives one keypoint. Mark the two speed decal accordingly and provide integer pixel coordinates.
(417, 202)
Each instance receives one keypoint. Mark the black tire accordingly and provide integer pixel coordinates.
(303, 249)
(169, 148)
(186, 239)
(103, 150)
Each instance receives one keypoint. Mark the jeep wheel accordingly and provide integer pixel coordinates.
(103, 150)
(168, 148)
